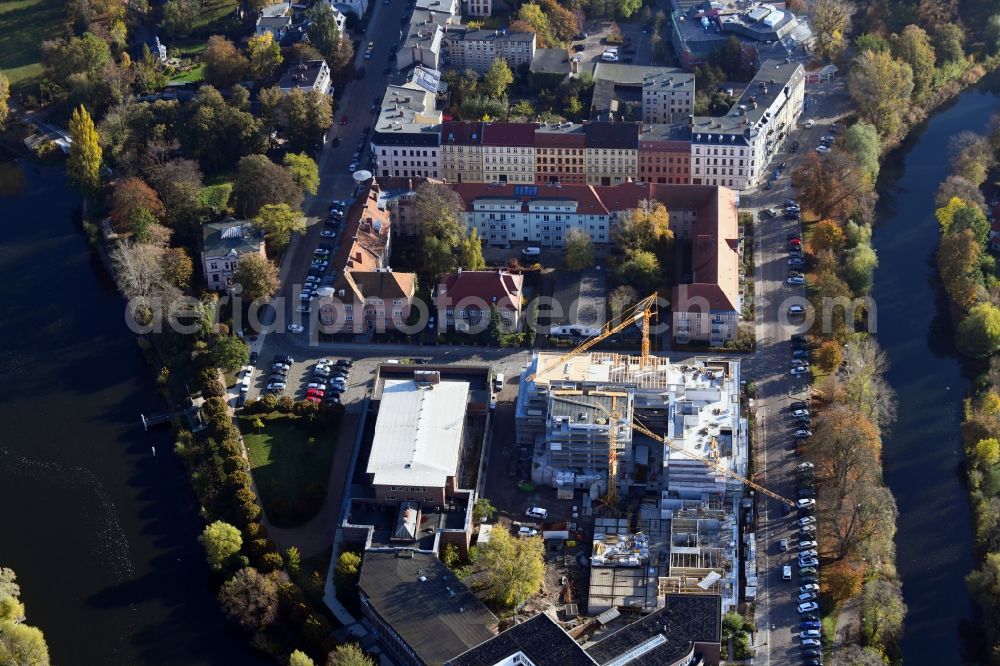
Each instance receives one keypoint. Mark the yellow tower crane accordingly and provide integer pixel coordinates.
(640, 312)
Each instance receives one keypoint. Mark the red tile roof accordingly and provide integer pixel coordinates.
(715, 258)
(365, 236)
(461, 133)
(492, 287)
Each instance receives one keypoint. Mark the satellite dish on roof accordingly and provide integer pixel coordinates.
(362, 175)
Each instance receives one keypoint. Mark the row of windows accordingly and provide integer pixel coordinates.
(411, 153)
(715, 151)
(560, 160)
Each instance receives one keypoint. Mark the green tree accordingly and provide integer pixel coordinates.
(179, 17)
(293, 561)
(22, 645)
(219, 132)
(470, 251)
(250, 599)
(880, 86)
(265, 55)
(646, 227)
(260, 182)
(230, 353)
(179, 183)
(972, 156)
(973, 219)
(349, 654)
(497, 78)
(958, 260)
(279, 222)
(494, 331)
(483, 510)
(988, 451)
(221, 541)
(978, 335)
(326, 37)
(862, 142)
(513, 568)
(84, 163)
(882, 612)
(303, 170)
(579, 250)
(300, 658)
(4, 97)
(258, 276)
(308, 115)
(626, 8)
(948, 43)
(141, 224)
(870, 42)
(533, 15)
(859, 268)
(347, 571)
(449, 556)
(438, 210)
(640, 269)
(913, 47)
(224, 64)
(831, 19)
(523, 110)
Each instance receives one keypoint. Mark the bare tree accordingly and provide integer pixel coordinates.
(843, 446)
(138, 270)
(863, 520)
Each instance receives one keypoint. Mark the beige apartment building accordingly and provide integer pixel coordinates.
(461, 151)
(612, 153)
(509, 152)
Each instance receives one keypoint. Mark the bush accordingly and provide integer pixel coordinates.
(237, 480)
(285, 404)
(235, 464)
(268, 403)
(269, 562)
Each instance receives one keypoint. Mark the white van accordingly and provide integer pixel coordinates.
(610, 56)
(531, 251)
(498, 381)
(786, 572)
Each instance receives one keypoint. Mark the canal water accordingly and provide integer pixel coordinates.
(923, 451)
(100, 532)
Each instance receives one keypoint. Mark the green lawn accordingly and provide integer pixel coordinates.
(24, 25)
(193, 75)
(213, 14)
(290, 460)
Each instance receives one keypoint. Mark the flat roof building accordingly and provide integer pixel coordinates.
(418, 439)
(421, 612)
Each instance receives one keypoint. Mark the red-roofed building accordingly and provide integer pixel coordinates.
(708, 309)
(561, 154)
(367, 301)
(463, 299)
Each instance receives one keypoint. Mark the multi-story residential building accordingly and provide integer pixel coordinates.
(464, 299)
(477, 49)
(509, 152)
(612, 152)
(306, 76)
(462, 151)
(479, 7)
(367, 301)
(734, 150)
(223, 244)
(667, 97)
(542, 214)
(406, 137)
(665, 154)
(560, 153)
(708, 309)
(503, 214)
(664, 94)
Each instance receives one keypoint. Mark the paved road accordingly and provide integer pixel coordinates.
(769, 367)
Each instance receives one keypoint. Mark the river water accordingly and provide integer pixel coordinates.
(923, 452)
(101, 532)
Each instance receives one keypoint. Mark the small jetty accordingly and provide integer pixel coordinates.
(155, 420)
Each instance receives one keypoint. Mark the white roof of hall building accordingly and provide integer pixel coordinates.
(418, 433)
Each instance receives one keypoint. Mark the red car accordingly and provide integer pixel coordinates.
(795, 241)
(343, 119)
(312, 398)
(314, 393)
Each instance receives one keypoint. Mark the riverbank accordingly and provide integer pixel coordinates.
(968, 276)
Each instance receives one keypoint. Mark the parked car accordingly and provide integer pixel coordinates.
(796, 280)
(807, 596)
(345, 362)
(829, 137)
(803, 433)
(822, 149)
(810, 633)
(801, 353)
(783, 545)
(800, 412)
(811, 652)
(305, 308)
(810, 624)
(808, 607)
(796, 262)
(809, 123)
(276, 386)
(807, 545)
(537, 512)
(813, 642)
(807, 571)
(808, 562)
(315, 385)
(327, 233)
(797, 371)
(807, 520)
(526, 532)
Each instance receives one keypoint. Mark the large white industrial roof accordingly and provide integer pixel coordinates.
(418, 433)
